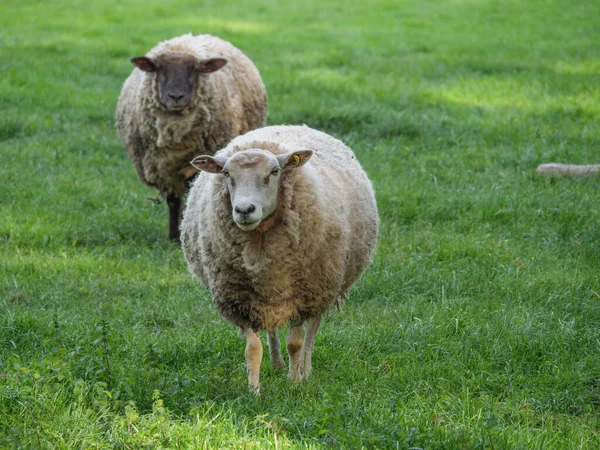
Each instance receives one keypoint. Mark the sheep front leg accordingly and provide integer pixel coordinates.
(254, 354)
(294, 348)
(275, 350)
(312, 325)
(175, 205)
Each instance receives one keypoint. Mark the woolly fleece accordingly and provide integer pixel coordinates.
(323, 237)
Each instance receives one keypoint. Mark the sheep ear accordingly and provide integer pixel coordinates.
(211, 65)
(143, 63)
(294, 159)
(210, 164)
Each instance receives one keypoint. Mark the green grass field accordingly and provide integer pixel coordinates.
(478, 324)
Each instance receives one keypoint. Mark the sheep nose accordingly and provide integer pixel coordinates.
(246, 209)
(176, 97)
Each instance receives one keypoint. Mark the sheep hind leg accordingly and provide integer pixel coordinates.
(294, 348)
(175, 205)
(254, 354)
(275, 350)
(312, 326)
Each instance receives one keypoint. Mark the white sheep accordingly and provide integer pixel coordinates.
(278, 226)
(568, 169)
(188, 96)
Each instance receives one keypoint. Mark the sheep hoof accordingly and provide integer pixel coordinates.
(295, 377)
(279, 363)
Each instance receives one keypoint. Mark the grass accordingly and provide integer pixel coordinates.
(475, 327)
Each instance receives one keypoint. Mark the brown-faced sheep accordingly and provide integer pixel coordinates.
(278, 226)
(189, 95)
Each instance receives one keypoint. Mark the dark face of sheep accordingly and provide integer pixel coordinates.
(252, 177)
(177, 77)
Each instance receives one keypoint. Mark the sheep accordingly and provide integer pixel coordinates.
(189, 95)
(279, 225)
(568, 169)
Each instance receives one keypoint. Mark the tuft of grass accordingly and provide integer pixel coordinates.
(476, 325)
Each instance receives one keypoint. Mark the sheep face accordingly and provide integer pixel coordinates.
(177, 77)
(252, 178)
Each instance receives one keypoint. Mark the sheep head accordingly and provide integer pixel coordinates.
(252, 178)
(177, 76)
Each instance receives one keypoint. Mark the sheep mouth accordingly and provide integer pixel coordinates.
(176, 111)
(248, 226)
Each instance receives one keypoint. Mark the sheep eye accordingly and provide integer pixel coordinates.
(275, 171)
(226, 173)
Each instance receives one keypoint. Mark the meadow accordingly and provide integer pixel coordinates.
(476, 327)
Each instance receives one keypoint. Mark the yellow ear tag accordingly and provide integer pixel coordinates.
(295, 159)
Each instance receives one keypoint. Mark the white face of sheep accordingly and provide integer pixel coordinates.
(177, 76)
(252, 177)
